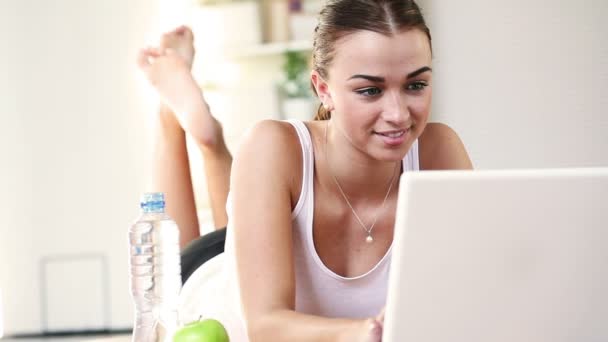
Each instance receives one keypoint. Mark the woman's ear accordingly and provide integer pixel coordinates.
(322, 89)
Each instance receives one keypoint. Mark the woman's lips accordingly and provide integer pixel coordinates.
(394, 137)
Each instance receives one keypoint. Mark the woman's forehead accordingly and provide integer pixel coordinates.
(374, 53)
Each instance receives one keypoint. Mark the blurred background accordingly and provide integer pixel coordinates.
(523, 82)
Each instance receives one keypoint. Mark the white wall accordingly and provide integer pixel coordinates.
(71, 147)
(523, 82)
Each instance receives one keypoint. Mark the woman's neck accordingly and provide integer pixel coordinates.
(357, 174)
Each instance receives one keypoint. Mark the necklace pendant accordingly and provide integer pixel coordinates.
(369, 239)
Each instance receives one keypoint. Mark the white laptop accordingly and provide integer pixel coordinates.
(492, 256)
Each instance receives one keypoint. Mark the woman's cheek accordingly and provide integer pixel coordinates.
(420, 109)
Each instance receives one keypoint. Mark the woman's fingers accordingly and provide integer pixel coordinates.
(376, 327)
(380, 318)
(375, 331)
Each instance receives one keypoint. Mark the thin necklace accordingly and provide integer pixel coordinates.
(368, 231)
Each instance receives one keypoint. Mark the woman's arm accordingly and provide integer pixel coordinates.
(264, 174)
(288, 325)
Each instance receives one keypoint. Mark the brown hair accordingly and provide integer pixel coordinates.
(341, 17)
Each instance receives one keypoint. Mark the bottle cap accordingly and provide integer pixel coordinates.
(153, 202)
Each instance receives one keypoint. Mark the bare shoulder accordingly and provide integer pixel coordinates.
(267, 131)
(270, 149)
(440, 148)
(271, 135)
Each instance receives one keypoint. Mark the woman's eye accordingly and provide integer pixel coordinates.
(372, 91)
(417, 86)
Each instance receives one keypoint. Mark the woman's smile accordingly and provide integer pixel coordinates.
(392, 137)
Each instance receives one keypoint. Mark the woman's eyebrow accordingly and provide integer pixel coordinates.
(418, 72)
(378, 79)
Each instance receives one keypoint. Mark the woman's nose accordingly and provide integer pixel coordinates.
(396, 109)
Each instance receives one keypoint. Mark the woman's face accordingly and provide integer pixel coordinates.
(380, 90)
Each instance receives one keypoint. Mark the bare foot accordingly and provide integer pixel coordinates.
(180, 40)
(168, 69)
(170, 76)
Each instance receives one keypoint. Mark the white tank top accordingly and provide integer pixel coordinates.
(319, 291)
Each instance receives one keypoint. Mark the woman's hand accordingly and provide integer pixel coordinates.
(374, 328)
(368, 330)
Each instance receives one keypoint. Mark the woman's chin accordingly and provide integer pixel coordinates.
(392, 156)
(393, 153)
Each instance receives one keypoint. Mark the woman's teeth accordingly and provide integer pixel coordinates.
(393, 134)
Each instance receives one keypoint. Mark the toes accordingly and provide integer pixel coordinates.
(153, 51)
(144, 55)
(142, 59)
(188, 33)
(185, 31)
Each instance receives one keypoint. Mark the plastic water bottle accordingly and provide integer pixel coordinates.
(155, 271)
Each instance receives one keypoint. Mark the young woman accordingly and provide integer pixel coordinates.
(312, 204)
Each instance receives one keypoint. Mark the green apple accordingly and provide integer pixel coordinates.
(207, 330)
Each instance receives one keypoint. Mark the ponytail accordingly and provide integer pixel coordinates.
(322, 114)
